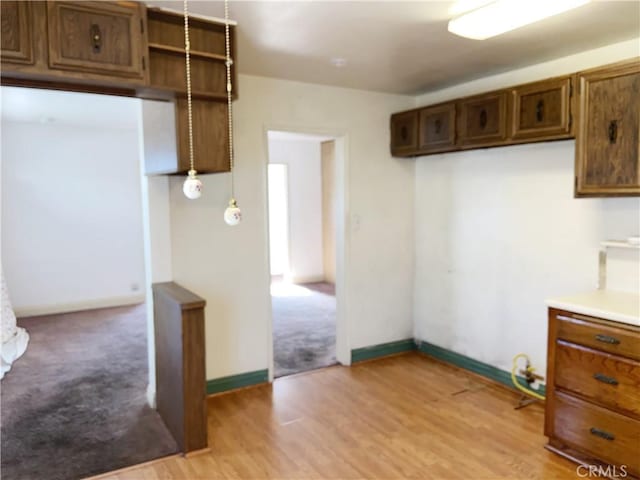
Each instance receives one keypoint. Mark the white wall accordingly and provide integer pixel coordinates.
(229, 266)
(498, 231)
(302, 158)
(71, 217)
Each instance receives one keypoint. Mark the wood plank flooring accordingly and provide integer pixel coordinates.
(402, 417)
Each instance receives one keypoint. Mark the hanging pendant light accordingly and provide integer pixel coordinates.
(233, 214)
(192, 187)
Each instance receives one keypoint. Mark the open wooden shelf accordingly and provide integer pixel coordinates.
(182, 51)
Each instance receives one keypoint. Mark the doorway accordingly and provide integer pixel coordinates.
(302, 216)
(74, 260)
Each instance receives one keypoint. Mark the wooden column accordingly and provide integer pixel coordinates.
(180, 364)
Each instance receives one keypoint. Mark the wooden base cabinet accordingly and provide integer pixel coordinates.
(592, 411)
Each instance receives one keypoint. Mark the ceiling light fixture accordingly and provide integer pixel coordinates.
(339, 62)
(232, 214)
(506, 15)
(192, 186)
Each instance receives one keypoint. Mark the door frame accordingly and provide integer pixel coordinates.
(343, 326)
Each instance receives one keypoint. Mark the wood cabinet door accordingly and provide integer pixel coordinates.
(210, 135)
(96, 37)
(17, 33)
(483, 120)
(608, 139)
(404, 134)
(541, 110)
(437, 128)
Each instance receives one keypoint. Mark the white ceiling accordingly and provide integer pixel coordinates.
(402, 47)
(32, 105)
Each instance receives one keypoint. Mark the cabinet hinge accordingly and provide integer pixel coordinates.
(141, 26)
(144, 63)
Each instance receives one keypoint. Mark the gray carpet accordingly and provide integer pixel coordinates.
(74, 405)
(304, 328)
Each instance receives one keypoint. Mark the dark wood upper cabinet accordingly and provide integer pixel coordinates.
(404, 133)
(608, 137)
(542, 110)
(105, 38)
(483, 120)
(437, 132)
(210, 136)
(17, 32)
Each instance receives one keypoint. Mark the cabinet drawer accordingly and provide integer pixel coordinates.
(438, 128)
(541, 110)
(404, 133)
(483, 120)
(602, 433)
(608, 379)
(96, 37)
(597, 334)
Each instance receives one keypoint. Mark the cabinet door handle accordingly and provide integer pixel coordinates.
(96, 38)
(483, 118)
(613, 131)
(404, 133)
(607, 339)
(602, 434)
(605, 379)
(437, 125)
(540, 110)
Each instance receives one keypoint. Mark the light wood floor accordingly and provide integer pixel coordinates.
(401, 417)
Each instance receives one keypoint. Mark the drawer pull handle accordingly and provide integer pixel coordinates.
(602, 434)
(605, 379)
(607, 339)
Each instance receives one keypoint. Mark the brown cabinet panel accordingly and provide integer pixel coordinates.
(17, 32)
(608, 140)
(437, 128)
(483, 120)
(541, 111)
(96, 37)
(597, 431)
(404, 133)
(210, 136)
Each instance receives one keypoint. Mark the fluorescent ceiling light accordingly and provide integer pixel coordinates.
(505, 15)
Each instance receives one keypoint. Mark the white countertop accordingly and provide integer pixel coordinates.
(621, 307)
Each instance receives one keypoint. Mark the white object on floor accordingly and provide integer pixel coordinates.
(14, 338)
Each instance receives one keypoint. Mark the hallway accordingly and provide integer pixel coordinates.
(304, 326)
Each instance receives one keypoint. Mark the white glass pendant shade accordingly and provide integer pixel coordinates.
(192, 187)
(232, 215)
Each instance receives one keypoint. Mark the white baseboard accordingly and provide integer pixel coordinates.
(78, 306)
